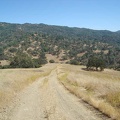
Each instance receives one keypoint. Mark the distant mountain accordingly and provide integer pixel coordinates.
(118, 31)
(73, 32)
(60, 42)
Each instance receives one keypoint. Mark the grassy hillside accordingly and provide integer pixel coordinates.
(99, 89)
(12, 81)
(63, 43)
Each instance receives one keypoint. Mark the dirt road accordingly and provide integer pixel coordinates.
(47, 99)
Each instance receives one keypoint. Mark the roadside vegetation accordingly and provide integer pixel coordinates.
(12, 81)
(99, 89)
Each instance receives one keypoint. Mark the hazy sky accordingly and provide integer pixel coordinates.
(94, 14)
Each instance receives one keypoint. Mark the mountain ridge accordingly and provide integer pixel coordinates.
(27, 23)
(82, 33)
(62, 42)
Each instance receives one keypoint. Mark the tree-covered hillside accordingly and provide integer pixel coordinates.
(71, 45)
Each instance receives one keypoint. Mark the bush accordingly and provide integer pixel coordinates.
(42, 58)
(0, 66)
(22, 60)
(74, 62)
(36, 63)
(51, 61)
(12, 50)
(4, 67)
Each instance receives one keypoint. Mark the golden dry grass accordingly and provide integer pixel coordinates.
(4, 62)
(100, 89)
(13, 81)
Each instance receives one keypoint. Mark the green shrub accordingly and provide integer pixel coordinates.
(74, 62)
(22, 60)
(51, 61)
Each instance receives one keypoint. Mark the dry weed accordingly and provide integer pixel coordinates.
(100, 89)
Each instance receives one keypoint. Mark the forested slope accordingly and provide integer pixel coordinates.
(71, 45)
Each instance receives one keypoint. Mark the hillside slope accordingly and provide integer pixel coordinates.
(61, 42)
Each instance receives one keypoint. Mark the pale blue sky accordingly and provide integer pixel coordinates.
(93, 14)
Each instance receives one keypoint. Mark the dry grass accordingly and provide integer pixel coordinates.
(13, 81)
(113, 98)
(4, 62)
(100, 89)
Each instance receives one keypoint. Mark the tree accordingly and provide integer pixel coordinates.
(22, 60)
(95, 62)
(2, 57)
(42, 58)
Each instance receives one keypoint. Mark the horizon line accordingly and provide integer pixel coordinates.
(22, 23)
